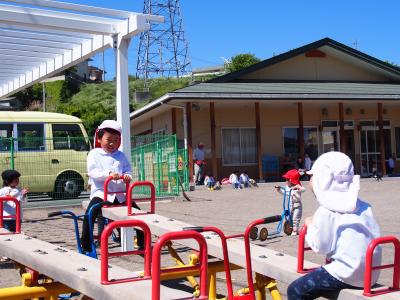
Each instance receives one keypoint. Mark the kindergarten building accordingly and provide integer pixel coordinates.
(320, 97)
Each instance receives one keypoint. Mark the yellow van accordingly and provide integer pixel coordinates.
(48, 149)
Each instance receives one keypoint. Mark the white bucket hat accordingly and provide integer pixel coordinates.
(106, 124)
(334, 183)
(110, 124)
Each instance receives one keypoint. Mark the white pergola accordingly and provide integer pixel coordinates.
(40, 38)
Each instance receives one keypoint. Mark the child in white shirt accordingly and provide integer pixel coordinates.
(104, 161)
(234, 180)
(294, 189)
(341, 228)
(245, 180)
(10, 188)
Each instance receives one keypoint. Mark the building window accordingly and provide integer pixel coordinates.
(291, 143)
(239, 146)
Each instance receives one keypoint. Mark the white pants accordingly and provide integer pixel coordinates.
(296, 217)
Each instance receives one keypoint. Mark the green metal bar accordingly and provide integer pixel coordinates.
(12, 162)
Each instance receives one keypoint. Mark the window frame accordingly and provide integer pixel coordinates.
(222, 147)
(297, 127)
(16, 136)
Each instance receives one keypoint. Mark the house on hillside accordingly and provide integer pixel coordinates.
(320, 97)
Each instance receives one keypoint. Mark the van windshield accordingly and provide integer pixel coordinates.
(69, 136)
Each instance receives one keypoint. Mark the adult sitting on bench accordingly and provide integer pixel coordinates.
(102, 162)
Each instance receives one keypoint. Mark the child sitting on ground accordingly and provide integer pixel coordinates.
(341, 228)
(104, 161)
(234, 180)
(210, 182)
(245, 180)
(294, 187)
(10, 188)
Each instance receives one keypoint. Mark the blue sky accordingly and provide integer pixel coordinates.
(222, 28)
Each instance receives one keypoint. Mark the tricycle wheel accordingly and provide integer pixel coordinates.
(254, 233)
(287, 228)
(263, 234)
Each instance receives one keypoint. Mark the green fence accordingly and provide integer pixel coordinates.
(161, 163)
(58, 166)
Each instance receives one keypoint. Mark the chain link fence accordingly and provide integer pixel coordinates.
(57, 166)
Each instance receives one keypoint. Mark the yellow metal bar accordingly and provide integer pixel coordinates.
(48, 290)
(272, 286)
(260, 287)
(212, 286)
(179, 262)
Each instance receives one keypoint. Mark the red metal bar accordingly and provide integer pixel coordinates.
(17, 215)
(300, 250)
(156, 266)
(107, 182)
(152, 198)
(369, 268)
(249, 269)
(105, 254)
(226, 257)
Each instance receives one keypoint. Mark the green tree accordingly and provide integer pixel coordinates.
(241, 61)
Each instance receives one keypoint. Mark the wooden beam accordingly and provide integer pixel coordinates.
(189, 139)
(381, 138)
(258, 136)
(342, 133)
(301, 128)
(213, 141)
(173, 120)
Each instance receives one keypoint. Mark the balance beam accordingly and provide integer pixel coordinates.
(78, 271)
(268, 262)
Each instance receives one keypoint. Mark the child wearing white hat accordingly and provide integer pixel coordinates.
(103, 161)
(341, 228)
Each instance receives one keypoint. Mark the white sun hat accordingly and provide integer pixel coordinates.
(334, 183)
(106, 124)
(110, 124)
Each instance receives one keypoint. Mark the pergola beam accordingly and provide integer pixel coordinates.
(17, 37)
(57, 20)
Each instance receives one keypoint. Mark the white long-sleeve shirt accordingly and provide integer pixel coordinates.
(100, 164)
(344, 238)
(233, 178)
(9, 206)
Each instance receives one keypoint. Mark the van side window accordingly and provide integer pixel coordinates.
(69, 136)
(30, 137)
(5, 134)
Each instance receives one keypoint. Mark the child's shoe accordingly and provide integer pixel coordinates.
(295, 233)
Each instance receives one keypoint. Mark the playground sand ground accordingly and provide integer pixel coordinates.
(229, 209)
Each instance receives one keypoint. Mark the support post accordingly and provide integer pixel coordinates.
(189, 139)
(173, 120)
(122, 94)
(382, 139)
(258, 136)
(342, 133)
(301, 128)
(213, 141)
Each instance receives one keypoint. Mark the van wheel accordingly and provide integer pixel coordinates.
(68, 186)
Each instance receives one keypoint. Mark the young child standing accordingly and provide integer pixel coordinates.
(341, 228)
(11, 188)
(294, 187)
(104, 161)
